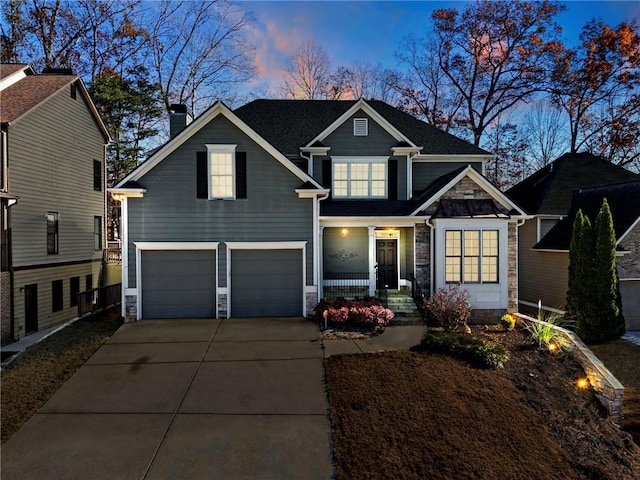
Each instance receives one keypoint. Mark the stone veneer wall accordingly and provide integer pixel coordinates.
(5, 308)
(131, 308)
(608, 389)
(629, 264)
(223, 302)
(311, 299)
(423, 256)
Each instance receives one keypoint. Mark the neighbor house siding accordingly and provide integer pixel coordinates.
(170, 211)
(43, 278)
(542, 275)
(51, 154)
(424, 173)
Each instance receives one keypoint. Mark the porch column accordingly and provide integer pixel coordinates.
(372, 261)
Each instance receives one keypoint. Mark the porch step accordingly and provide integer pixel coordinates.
(406, 319)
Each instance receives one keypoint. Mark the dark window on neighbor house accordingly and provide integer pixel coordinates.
(52, 233)
(57, 300)
(88, 282)
(74, 289)
(97, 233)
(97, 175)
(73, 91)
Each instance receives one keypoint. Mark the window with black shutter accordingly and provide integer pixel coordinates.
(241, 174)
(202, 181)
(393, 180)
(97, 175)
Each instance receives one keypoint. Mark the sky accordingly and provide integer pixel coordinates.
(370, 32)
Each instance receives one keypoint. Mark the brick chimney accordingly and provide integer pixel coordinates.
(179, 118)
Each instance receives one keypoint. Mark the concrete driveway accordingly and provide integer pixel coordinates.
(186, 399)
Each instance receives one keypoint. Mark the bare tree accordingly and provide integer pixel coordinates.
(198, 50)
(12, 34)
(544, 130)
(308, 73)
(598, 88)
(509, 165)
(426, 91)
(495, 55)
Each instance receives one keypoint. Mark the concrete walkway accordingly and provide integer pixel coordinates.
(192, 399)
(633, 337)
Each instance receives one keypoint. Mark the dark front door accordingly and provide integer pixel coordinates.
(31, 308)
(387, 264)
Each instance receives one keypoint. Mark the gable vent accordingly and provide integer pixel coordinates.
(360, 127)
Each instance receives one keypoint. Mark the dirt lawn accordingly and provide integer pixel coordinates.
(415, 416)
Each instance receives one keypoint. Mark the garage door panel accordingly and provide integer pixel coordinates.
(266, 283)
(177, 284)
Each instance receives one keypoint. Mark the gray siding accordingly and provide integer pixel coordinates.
(170, 211)
(51, 154)
(344, 143)
(347, 254)
(424, 173)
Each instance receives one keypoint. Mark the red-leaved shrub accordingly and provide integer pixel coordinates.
(449, 307)
(367, 313)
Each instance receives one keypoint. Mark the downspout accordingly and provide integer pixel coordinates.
(519, 223)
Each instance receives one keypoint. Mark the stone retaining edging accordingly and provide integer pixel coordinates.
(607, 387)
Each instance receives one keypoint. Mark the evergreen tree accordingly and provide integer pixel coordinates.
(607, 289)
(580, 296)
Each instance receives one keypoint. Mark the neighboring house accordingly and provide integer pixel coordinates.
(552, 196)
(52, 197)
(264, 210)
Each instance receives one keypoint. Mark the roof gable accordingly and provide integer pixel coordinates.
(549, 190)
(214, 111)
(23, 96)
(445, 183)
(291, 124)
(361, 105)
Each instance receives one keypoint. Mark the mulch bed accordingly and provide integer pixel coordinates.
(36, 374)
(411, 415)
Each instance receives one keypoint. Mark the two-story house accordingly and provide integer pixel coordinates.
(52, 197)
(552, 196)
(263, 210)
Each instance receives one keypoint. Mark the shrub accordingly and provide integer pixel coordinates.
(367, 313)
(508, 321)
(477, 352)
(449, 307)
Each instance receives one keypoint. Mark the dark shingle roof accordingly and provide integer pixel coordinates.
(291, 124)
(7, 69)
(22, 96)
(624, 202)
(472, 208)
(549, 190)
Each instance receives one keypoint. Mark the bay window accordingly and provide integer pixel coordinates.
(471, 256)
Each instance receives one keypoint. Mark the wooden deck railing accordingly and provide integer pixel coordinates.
(99, 298)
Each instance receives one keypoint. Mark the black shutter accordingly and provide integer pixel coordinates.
(241, 174)
(202, 188)
(393, 180)
(326, 173)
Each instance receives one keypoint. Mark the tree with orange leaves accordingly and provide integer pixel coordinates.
(598, 87)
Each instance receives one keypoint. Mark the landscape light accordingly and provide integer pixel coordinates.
(582, 383)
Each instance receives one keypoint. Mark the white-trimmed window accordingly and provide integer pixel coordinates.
(221, 164)
(360, 178)
(360, 127)
(471, 256)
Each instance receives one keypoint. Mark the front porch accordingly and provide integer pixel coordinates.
(362, 261)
